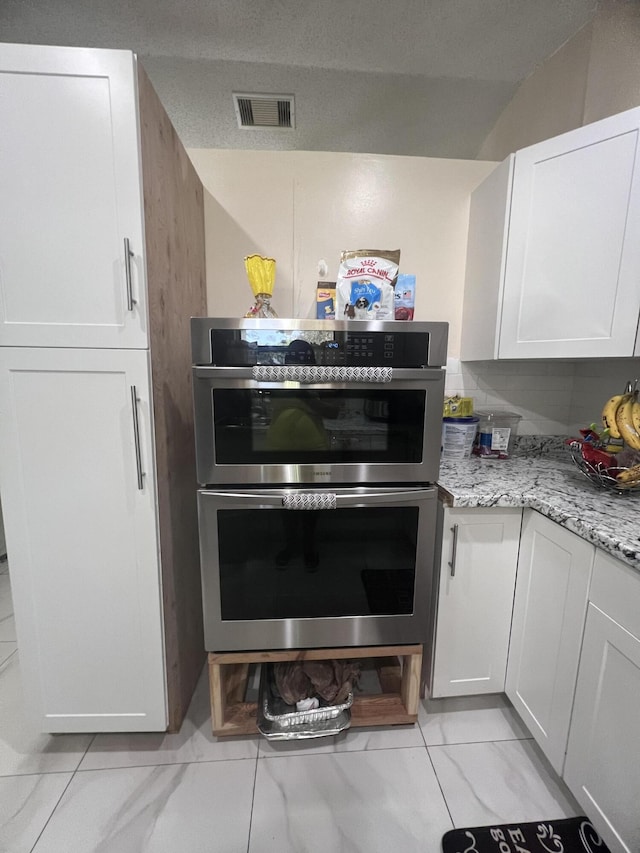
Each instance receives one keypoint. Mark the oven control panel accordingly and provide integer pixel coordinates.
(350, 348)
(375, 348)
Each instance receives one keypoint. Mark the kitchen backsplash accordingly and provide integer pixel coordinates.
(553, 397)
(595, 381)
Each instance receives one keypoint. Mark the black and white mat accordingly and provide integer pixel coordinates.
(569, 835)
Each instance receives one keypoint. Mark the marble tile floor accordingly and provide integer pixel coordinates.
(469, 761)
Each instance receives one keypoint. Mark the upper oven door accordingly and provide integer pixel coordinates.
(283, 431)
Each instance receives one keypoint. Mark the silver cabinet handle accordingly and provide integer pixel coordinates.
(454, 550)
(128, 254)
(136, 436)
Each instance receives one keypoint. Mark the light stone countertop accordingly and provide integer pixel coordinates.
(554, 487)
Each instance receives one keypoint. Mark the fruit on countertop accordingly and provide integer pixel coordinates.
(635, 415)
(624, 421)
(610, 457)
(609, 414)
(629, 476)
(621, 417)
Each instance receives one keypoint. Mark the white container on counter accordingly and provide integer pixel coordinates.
(458, 435)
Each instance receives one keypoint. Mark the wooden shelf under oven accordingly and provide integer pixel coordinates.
(398, 669)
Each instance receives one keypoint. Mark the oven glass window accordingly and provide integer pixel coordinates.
(287, 564)
(297, 426)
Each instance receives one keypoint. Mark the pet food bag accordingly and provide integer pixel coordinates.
(405, 297)
(364, 289)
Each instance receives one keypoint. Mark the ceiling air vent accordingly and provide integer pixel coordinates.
(275, 112)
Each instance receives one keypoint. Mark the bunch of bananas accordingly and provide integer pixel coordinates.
(621, 418)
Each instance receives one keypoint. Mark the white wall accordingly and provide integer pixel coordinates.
(549, 102)
(613, 80)
(300, 207)
(593, 75)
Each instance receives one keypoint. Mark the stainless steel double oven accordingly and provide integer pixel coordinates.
(318, 447)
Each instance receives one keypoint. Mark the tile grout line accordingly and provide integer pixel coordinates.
(58, 801)
(253, 797)
(6, 660)
(435, 772)
(46, 824)
(154, 764)
(424, 740)
(470, 742)
(270, 756)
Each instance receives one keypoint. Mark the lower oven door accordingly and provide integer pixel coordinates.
(293, 568)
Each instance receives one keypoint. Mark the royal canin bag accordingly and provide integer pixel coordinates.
(364, 287)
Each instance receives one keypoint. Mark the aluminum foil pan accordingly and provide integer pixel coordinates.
(271, 731)
(277, 721)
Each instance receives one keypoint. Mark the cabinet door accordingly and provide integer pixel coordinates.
(554, 570)
(603, 758)
(71, 194)
(475, 599)
(81, 530)
(484, 273)
(573, 255)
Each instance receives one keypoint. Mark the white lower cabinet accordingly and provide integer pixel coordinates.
(603, 757)
(554, 570)
(78, 488)
(576, 685)
(475, 599)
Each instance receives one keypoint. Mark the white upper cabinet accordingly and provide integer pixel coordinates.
(70, 183)
(562, 259)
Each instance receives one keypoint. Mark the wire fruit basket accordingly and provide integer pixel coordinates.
(596, 473)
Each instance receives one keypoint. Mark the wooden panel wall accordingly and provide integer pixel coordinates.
(174, 223)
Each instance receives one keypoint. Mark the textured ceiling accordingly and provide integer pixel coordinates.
(424, 77)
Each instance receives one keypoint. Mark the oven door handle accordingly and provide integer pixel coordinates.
(311, 373)
(310, 500)
(317, 375)
(323, 499)
(304, 374)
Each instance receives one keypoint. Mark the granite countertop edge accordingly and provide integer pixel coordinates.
(554, 488)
